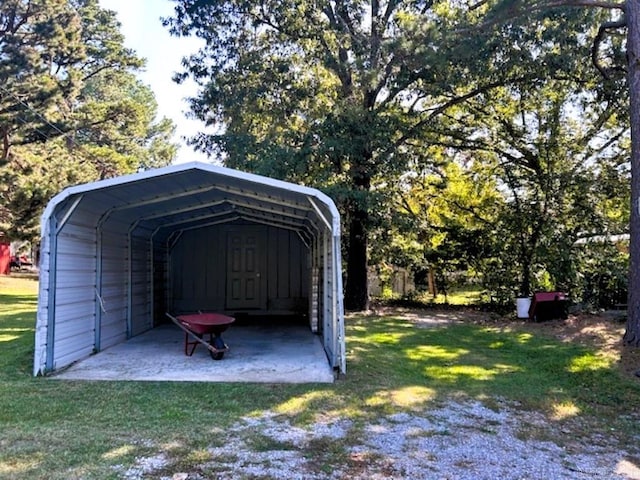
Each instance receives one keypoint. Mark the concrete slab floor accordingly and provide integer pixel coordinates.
(267, 354)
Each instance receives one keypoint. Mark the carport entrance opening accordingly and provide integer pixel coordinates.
(118, 254)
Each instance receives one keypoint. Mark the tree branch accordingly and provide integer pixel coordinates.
(583, 3)
(434, 112)
(519, 8)
(598, 40)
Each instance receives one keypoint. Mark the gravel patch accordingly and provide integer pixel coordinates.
(469, 441)
(462, 440)
(143, 467)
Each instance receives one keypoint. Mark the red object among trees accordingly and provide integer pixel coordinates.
(5, 259)
(548, 305)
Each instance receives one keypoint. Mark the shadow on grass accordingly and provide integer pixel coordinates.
(13, 300)
(17, 327)
(392, 365)
(388, 354)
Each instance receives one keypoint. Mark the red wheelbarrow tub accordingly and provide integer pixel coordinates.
(197, 325)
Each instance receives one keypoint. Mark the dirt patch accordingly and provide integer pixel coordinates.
(603, 332)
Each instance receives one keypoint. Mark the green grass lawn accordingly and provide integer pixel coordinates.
(467, 295)
(58, 429)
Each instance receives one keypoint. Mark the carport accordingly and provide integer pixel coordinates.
(119, 253)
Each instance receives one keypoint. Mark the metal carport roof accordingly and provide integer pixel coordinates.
(87, 229)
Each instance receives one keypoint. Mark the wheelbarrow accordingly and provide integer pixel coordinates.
(196, 325)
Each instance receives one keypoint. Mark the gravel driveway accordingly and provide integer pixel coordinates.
(460, 440)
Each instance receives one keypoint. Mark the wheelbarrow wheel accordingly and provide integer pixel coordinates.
(217, 355)
(219, 344)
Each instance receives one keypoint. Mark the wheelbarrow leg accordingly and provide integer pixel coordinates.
(187, 343)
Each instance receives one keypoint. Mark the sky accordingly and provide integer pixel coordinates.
(145, 34)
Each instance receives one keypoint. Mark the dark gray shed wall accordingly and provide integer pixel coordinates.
(200, 260)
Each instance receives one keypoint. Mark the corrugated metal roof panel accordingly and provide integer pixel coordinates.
(153, 193)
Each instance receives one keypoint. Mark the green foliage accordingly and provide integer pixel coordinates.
(117, 127)
(71, 109)
(603, 273)
(50, 48)
(446, 215)
(44, 169)
(546, 168)
(551, 165)
(555, 145)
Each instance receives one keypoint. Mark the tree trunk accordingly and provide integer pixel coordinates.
(4, 133)
(525, 283)
(632, 333)
(356, 295)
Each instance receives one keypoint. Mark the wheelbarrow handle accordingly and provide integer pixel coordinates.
(193, 335)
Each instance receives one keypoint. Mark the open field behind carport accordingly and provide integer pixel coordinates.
(428, 394)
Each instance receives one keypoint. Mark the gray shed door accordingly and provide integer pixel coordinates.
(245, 258)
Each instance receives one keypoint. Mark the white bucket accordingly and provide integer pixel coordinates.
(522, 307)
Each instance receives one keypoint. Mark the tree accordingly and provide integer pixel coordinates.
(33, 43)
(632, 333)
(624, 15)
(446, 216)
(552, 144)
(553, 135)
(342, 95)
(48, 50)
(299, 87)
(336, 97)
(71, 109)
(115, 125)
(118, 133)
